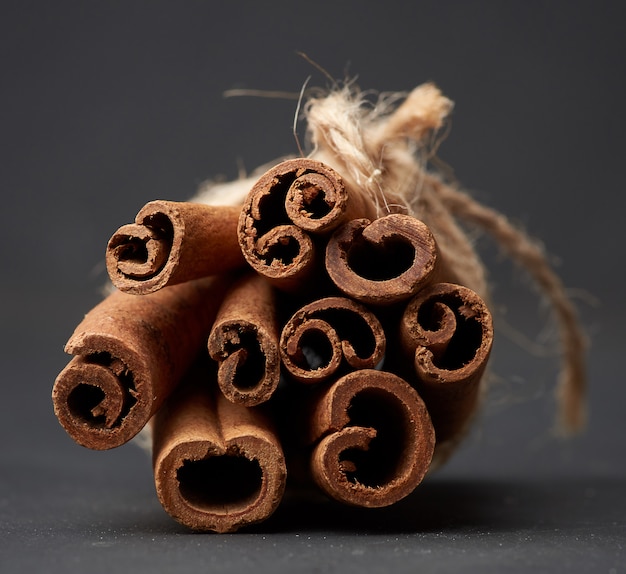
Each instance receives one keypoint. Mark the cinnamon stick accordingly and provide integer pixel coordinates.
(374, 437)
(244, 341)
(172, 242)
(294, 199)
(383, 261)
(447, 330)
(328, 334)
(217, 465)
(130, 353)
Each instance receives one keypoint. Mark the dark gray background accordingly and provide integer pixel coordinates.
(107, 105)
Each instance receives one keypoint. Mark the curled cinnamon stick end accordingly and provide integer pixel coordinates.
(217, 465)
(327, 333)
(244, 342)
(291, 200)
(131, 351)
(383, 261)
(376, 439)
(448, 331)
(172, 242)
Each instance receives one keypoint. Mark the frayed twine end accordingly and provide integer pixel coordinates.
(424, 111)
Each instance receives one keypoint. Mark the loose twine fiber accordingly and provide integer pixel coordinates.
(381, 149)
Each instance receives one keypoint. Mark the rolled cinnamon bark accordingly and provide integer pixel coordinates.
(296, 198)
(244, 341)
(172, 242)
(329, 334)
(383, 261)
(131, 352)
(375, 436)
(448, 332)
(217, 465)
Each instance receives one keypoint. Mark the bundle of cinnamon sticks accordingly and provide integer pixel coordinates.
(315, 333)
(299, 329)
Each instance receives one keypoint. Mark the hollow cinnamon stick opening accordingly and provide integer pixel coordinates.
(217, 465)
(172, 242)
(448, 332)
(294, 199)
(244, 342)
(130, 353)
(375, 439)
(383, 261)
(328, 334)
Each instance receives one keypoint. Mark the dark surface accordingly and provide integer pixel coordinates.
(106, 106)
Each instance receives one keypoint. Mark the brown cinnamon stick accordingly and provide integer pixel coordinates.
(172, 242)
(383, 261)
(217, 465)
(330, 333)
(131, 352)
(447, 330)
(244, 341)
(375, 436)
(296, 198)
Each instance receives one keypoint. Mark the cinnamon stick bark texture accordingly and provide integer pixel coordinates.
(217, 465)
(330, 334)
(447, 331)
(381, 262)
(244, 342)
(375, 439)
(290, 203)
(130, 353)
(172, 242)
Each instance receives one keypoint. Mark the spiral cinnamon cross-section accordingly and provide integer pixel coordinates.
(244, 342)
(172, 242)
(218, 466)
(448, 331)
(294, 199)
(330, 335)
(130, 353)
(374, 437)
(381, 262)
